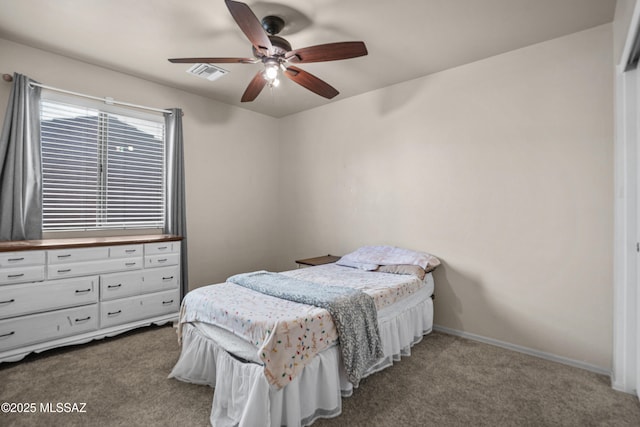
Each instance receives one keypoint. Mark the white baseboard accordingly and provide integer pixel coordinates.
(525, 350)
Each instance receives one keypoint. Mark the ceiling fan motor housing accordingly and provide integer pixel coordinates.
(280, 47)
(273, 25)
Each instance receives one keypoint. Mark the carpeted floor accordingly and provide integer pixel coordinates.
(447, 381)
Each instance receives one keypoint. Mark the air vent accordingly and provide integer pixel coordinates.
(207, 71)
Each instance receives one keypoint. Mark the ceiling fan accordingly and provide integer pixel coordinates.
(276, 54)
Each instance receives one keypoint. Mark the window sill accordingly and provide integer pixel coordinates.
(100, 233)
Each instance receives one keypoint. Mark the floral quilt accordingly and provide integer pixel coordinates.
(288, 334)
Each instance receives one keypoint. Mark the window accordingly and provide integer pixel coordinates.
(102, 167)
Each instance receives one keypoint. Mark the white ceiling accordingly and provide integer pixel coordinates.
(405, 38)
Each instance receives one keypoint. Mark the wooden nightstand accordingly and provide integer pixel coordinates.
(319, 260)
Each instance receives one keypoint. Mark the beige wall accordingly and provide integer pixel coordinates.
(503, 168)
(230, 177)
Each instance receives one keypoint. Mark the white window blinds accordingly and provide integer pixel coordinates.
(100, 169)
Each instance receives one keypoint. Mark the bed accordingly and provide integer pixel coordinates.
(275, 361)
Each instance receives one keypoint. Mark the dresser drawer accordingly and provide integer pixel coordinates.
(94, 267)
(120, 285)
(130, 309)
(151, 261)
(64, 256)
(20, 259)
(160, 279)
(9, 276)
(120, 311)
(126, 251)
(161, 303)
(16, 300)
(26, 330)
(161, 248)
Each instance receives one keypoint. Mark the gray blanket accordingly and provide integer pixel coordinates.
(353, 312)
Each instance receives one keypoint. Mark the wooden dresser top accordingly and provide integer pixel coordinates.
(83, 242)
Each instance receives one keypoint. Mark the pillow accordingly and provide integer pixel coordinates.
(371, 257)
(415, 270)
(354, 264)
(433, 263)
(368, 256)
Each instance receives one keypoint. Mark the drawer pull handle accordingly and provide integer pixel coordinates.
(81, 291)
(13, 276)
(162, 248)
(64, 256)
(66, 270)
(167, 302)
(114, 286)
(8, 302)
(7, 335)
(15, 259)
(167, 278)
(84, 319)
(130, 264)
(130, 251)
(113, 313)
(162, 260)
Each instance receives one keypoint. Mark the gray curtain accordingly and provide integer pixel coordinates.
(21, 164)
(175, 209)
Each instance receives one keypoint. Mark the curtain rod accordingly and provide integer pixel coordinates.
(109, 101)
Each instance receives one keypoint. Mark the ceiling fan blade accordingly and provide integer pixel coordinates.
(310, 82)
(255, 87)
(214, 60)
(250, 25)
(327, 52)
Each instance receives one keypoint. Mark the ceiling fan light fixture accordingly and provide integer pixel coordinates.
(270, 70)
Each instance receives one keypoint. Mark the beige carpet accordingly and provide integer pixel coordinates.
(447, 381)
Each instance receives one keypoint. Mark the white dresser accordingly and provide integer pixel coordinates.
(70, 291)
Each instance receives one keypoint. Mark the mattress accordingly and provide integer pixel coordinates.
(243, 350)
(285, 335)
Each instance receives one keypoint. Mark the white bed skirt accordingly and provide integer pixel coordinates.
(244, 398)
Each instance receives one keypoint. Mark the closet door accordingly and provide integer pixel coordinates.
(635, 305)
(626, 333)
